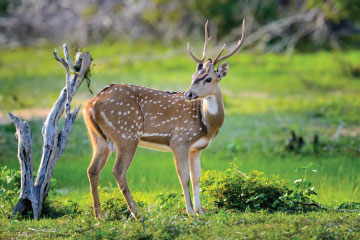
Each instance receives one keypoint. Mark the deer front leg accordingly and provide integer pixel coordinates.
(100, 155)
(124, 157)
(182, 168)
(195, 172)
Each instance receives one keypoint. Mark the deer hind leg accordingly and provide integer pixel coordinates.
(101, 153)
(182, 168)
(124, 156)
(195, 172)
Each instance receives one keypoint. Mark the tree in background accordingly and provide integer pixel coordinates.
(272, 26)
(338, 10)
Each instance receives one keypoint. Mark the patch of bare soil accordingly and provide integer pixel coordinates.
(351, 131)
(25, 114)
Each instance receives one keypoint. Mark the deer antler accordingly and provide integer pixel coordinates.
(207, 38)
(240, 42)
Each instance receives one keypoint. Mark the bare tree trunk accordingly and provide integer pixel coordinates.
(55, 139)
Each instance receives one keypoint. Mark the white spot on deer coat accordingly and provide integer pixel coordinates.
(92, 112)
(107, 120)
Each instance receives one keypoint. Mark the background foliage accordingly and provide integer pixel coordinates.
(336, 22)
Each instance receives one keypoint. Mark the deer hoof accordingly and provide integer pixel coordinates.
(99, 216)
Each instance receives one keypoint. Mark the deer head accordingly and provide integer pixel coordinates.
(205, 80)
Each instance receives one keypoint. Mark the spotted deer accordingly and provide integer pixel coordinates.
(122, 117)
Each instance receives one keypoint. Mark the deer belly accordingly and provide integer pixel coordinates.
(200, 144)
(156, 146)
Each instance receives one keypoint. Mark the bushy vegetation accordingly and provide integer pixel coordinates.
(113, 204)
(169, 20)
(232, 190)
(9, 189)
(166, 219)
(339, 10)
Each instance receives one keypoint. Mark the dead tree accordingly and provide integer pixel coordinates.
(283, 34)
(32, 195)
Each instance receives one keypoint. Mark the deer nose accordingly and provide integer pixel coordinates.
(188, 95)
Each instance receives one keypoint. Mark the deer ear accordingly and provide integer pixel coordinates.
(222, 70)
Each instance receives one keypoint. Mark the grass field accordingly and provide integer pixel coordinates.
(266, 96)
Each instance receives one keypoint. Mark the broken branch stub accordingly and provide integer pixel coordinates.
(55, 139)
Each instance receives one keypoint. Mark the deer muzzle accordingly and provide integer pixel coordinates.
(189, 95)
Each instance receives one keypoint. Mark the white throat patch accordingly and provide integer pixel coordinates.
(210, 105)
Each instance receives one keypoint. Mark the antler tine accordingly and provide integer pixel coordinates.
(207, 38)
(240, 42)
(192, 55)
(219, 53)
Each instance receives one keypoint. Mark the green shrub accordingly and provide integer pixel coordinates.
(57, 209)
(168, 201)
(114, 206)
(231, 190)
(10, 181)
(228, 14)
(349, 206)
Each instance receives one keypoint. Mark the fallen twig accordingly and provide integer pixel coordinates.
(43, 230)
(338, 131)
(244, 175)
(325, 208)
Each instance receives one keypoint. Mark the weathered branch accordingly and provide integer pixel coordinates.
(66, 65)
(307, 24)
(243, 174)
(314, 204)
(67, 57)
(55, 140)
(24, 136)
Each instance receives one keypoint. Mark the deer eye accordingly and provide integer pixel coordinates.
(208, 80)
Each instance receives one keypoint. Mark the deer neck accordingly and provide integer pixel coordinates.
(213, 113)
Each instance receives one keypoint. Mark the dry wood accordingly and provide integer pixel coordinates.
(314, 204)
(55, 139)
(306, 23)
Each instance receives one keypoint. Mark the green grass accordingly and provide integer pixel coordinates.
(221, 225)
(266, 96)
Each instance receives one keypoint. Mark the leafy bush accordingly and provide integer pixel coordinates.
(228, 14)
(10, 181)
(348, 206)
(168, 201)
(338, 9)
(114, 206)
(232, 190)
(57, 209)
